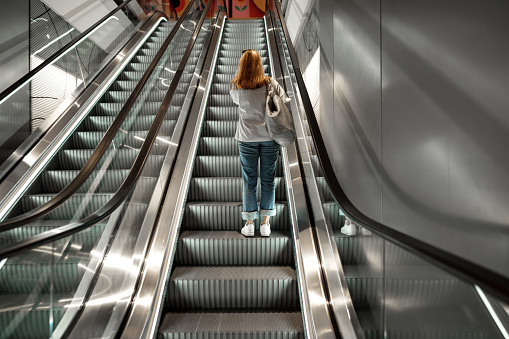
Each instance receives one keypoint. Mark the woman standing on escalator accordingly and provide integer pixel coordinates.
(248, 90)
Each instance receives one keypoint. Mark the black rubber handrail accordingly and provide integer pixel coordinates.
(14, 87)
(129, 182)
(489, 280)
(101, 148)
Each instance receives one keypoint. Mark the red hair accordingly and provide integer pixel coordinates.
(250, 74)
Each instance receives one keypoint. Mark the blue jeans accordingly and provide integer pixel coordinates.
(250, 152)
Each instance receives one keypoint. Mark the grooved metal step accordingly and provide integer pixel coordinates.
(225, 189)
(148, 108)
(227, 216)
(35, 322)
(228, 248)
(73, 159)
(208, 325)
(35, 271)
(217, 146)
(224, 166)
(233, 287)
(86, 238)
(77, 206)
(110, 181)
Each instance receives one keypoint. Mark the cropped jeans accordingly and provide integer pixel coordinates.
(250, 153)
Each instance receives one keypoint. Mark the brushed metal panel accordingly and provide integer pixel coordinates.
(357, 115)
(326, 33)
(445, 125)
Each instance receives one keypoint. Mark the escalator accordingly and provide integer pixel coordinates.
(383, 287)
(221, 281)
(199, 277)
(39, 288)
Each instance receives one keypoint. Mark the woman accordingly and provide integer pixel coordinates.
(248, 90)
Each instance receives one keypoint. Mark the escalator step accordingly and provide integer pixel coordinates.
(78, 206)
(73, 159)
(317, 168)
(233, 287)
(232, 69)
(241, 40)
(223, 88)
(217, 146)
(228, 248)
(142, 123)
(222, 78)
(234, 61)
(86, 239)
(219, 128)
(137, 67)
(245, 45)
(155, 96)
(224, 166)
(237, 54)
(148, 108)
(35, 271)
(225, 189)
(221, 100)
(226, 216)
(324, 189)
(252, 325)
(130, 75)
(332, 210)
(126, 85)
(104, 182)
(134, 140)
(35, 322)
(222, 113)
(243, 33)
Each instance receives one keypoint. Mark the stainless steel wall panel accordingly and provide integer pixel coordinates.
(414, 117)
(357, 116)
(445, 125)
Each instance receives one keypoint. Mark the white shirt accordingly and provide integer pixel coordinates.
(251, 126)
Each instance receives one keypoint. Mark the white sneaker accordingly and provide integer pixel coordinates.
(248, 230)
(349, 230)
(265, 230)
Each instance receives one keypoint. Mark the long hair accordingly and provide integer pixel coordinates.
(250, 74)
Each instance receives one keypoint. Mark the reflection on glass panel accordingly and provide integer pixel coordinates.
(50, 29)
(421, 298)
(39, 288)
(15, 122)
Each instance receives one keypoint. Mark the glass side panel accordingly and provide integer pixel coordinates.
(62, 272)
(395, 293)
(41, 289)
(49, 29)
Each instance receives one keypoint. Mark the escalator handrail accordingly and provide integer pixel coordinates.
(101, 148)
(30, 75)
(129, 182)
(493, 282)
